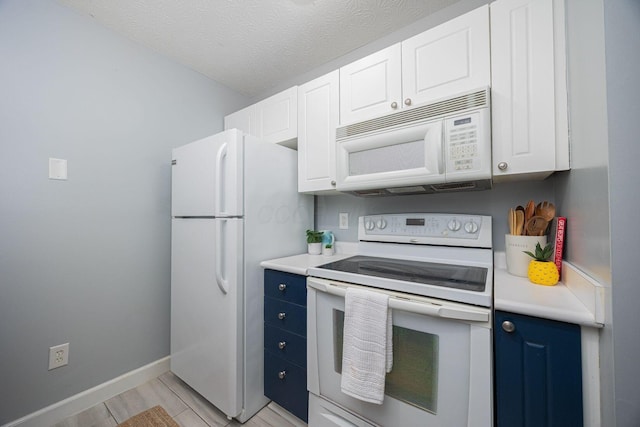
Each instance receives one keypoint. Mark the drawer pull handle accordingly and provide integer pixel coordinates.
(282, 374)
(282, 315)
(282, 345)
(282, 287)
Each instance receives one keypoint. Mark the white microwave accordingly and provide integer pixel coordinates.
(437, 147)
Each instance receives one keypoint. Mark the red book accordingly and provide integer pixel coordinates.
(556, 236)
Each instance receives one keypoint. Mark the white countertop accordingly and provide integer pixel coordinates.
(299, 264)
(576, 300)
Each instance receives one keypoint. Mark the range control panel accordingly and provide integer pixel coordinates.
(427, 228)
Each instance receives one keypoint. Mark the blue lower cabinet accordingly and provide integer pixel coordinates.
(538, 372)
(285, 315)
(286, 384)
(285, 341)
(285, 344)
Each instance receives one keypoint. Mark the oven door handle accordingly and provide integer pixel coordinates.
(414, 306)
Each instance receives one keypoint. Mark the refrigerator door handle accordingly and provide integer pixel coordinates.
(223, 284)
(220, 157)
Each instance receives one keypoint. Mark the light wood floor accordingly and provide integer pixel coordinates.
(187, 408)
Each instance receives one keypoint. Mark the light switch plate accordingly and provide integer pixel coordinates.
(344, 220)
(57, 169)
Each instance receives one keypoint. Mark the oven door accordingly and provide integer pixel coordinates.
(442, 366)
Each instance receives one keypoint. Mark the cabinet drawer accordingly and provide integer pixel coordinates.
(289, 346)
(290, 391)
(285, 286)
(294, 317)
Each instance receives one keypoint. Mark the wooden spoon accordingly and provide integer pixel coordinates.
(529, 210)
(536, 226)
(546, 210)
(511, 221)
(519, 227)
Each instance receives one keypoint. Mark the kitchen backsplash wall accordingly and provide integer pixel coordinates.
(495, 202)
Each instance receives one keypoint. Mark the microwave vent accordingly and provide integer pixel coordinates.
(468, 101)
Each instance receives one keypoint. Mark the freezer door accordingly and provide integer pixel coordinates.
(206, 308)
(206, 178)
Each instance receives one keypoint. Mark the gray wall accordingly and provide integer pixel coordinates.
(583, 193)
(86, 261)
(622, 43)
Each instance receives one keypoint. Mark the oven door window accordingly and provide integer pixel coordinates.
(414, 377)
(430, 382)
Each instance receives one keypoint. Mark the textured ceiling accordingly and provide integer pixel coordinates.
(252, 45)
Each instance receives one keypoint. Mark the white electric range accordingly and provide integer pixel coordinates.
(438, 271)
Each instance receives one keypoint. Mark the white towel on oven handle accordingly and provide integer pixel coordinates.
(367, 350)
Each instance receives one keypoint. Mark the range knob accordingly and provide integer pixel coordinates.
(471, 227)
(369, 224)
(381, 223)
(454, 225)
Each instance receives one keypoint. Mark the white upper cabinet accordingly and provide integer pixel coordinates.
(241, 120)
(443, 61)
(318, 114)
(528, 88)
(448, 59)
(277, 116)
(274, 119)
(371, 86)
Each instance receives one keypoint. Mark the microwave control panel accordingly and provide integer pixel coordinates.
(468, 144)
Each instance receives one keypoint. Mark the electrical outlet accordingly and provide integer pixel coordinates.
(344, 220)
(58, 356)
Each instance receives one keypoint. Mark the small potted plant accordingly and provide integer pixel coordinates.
(541, 271)
(314, 242)
(327, 250)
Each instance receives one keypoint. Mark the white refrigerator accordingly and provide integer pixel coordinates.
(234, 204)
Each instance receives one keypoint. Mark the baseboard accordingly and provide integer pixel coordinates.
(55, 413)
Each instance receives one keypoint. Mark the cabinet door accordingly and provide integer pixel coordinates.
(318, 117)
(523, 64)
(538, 372)
(448, 59)
(277, 117)
(241, 120)
(370, 86)
(286, 384)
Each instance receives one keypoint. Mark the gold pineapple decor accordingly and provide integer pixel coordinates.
(541, 271)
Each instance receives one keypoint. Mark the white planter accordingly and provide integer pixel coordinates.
(314, 248)
(517, 260)
(327, 251)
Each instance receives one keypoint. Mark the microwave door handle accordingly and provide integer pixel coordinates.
(428, 309)
(433, 139)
